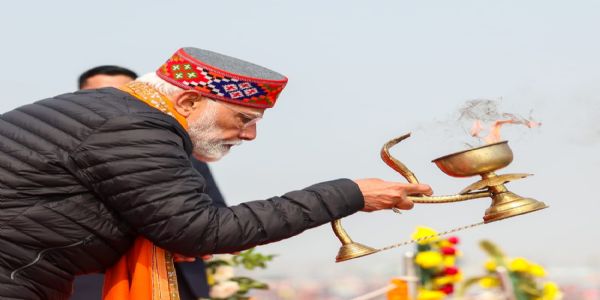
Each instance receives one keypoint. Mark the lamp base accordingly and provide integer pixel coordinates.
(353, 250)
(508, 204)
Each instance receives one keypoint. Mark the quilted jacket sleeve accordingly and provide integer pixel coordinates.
(137, 166)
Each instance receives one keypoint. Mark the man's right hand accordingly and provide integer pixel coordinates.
(380, 194)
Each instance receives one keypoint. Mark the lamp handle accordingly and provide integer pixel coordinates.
(399, 167)
(394, 163)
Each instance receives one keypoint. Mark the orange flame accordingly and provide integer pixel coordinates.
(477, 128)
(494, 135)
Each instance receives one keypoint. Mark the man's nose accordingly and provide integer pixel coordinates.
(248, 133)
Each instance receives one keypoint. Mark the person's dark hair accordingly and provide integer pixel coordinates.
(105, 70)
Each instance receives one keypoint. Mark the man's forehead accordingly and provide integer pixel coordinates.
(105, 80)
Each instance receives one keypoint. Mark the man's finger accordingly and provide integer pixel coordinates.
(405, 204)
(419, 188)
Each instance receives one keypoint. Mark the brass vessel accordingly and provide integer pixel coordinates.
(482, 161)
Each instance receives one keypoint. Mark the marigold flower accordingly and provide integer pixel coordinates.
(447, 289)
(448, 251)
(430, 295)
(551, 291)
(447, 279)
(489, 282)
(421, 232)
(519, 264)
(449, 260)
(443, 280)
(445, 243)
(490, 265)
(450, 271)
(537, 270)
(454, 240)
(428, 259)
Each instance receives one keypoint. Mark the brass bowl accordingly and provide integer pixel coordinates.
(476, 161)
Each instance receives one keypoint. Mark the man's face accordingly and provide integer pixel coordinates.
(216, 126)
(102, 80)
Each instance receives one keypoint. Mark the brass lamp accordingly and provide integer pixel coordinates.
(482, 161)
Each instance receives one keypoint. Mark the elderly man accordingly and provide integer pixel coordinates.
(102, 179)
(191, 275)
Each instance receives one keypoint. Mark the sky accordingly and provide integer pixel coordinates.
(361, 73)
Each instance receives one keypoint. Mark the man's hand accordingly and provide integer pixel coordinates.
(380, 194)
(182, 258)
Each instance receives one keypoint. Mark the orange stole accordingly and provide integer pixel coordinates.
(145, 272)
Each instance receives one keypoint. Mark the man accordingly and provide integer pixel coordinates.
(191, 276)
(102, 178)
(105, 76)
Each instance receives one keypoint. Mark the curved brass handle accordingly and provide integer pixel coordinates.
(340, 233)
(399, 167)
(396, 164)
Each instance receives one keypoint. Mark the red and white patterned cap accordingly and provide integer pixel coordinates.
(222, 77)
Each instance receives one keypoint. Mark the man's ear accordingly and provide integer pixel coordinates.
(185, 102)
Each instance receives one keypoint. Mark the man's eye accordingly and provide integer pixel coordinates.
(246, 119)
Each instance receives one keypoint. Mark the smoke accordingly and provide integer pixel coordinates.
(479, 109)
(479, 121)
(484, 120)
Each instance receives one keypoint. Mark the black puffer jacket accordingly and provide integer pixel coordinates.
(82, 174)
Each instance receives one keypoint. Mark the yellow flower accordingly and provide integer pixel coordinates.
(537, 270)
(458, 277)
(551, 291)
(430, 295)
(449, 260)
(442, 280)
(489, 282)
(423, 232)
(428, 259)
(445, 243)
(490, 265)
(519, 264)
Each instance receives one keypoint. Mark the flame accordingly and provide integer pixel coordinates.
(494, 134)
(477, 128)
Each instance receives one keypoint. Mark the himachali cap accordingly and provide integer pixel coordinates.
(222, 77)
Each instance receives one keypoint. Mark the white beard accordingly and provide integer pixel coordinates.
(205, 136)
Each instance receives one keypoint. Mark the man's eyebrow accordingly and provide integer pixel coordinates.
(254, 114)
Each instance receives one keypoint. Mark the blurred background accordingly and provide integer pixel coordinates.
(361, 73)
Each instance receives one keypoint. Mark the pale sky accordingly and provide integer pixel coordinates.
(360, 73)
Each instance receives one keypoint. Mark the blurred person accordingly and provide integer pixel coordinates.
(105, 76)
(101, 180)
(191, 275)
